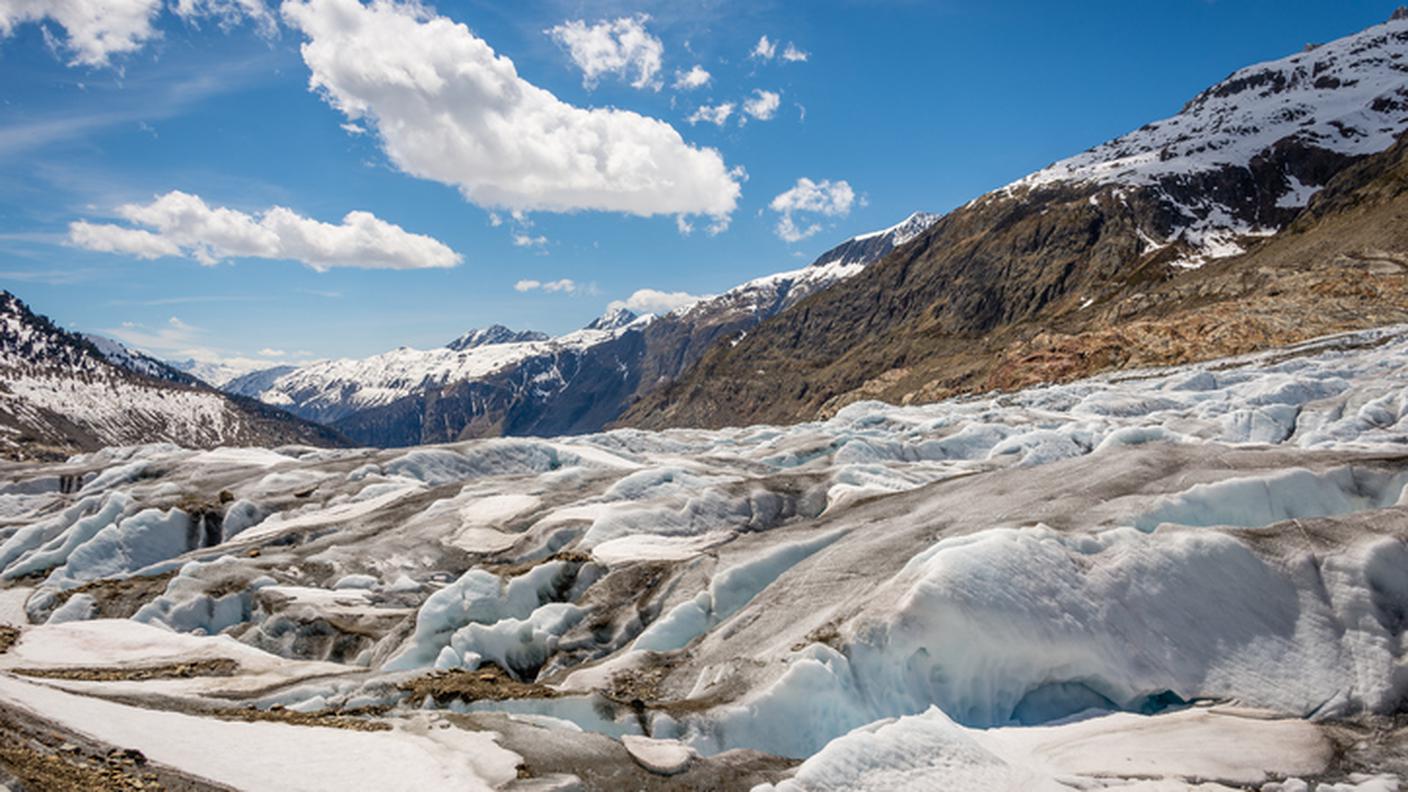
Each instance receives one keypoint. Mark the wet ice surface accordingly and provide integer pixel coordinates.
(944, 596)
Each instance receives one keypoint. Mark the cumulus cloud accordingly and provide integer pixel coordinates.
(446, 107)
(622, 47)
(268, 352)
(180, 224)
(94, 30)
(696, 77)
(654, 301)
(793, 55)
(824, 198)
(528, 240)
(712, 114)
(762, 105)
(765, 49)
(565, 285)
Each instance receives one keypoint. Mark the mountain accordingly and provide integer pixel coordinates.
(61, 392)
(216, 375)
(613, 319)
(494, 334)
(1125, 235)
(255, 382)
(518, 384)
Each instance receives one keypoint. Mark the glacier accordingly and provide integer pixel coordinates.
(1100, 584)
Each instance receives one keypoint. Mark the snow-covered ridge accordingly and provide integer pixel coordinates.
(903, 231)
(494, 334)
(332, 389)
(1214, 166)
(1349, 96)
(64, 390)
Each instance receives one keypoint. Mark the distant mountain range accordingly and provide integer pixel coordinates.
(62, 392)
(497, 381)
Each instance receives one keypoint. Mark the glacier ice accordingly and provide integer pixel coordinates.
(895, 595)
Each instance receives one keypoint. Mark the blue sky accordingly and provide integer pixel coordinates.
(914, 105)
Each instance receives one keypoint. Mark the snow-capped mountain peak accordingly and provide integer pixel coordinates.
(1349, 96)
(613, 319)
(1241, 158)
(494, 334)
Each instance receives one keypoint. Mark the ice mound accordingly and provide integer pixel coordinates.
(1287, 495)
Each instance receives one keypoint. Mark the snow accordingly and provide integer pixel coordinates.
(356, 582)
(1325, 96)
(1289, 495)
(665, 757)
(122, 642)
(261, 755)
(1297, 195)
(476, 598)
(930, 751)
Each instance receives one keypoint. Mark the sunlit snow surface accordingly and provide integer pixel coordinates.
(955, 582)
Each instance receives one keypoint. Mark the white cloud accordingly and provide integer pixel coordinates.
(229, 13)
(180, 224)
(267, 352)
(764, 49)
(825, 198)
(97, 30)
(793, 55)
(565, 285)
(621, 47)
(94, 30)
(353, 129)
(716, 114)
(177, 340)
(696, 77)
(526, 240)
(654, 301)
(763, 104)
(448, 108)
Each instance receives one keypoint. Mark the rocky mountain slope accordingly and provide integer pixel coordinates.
(61, 392)
(496, 381)
(1165, 229)
(896, 598)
